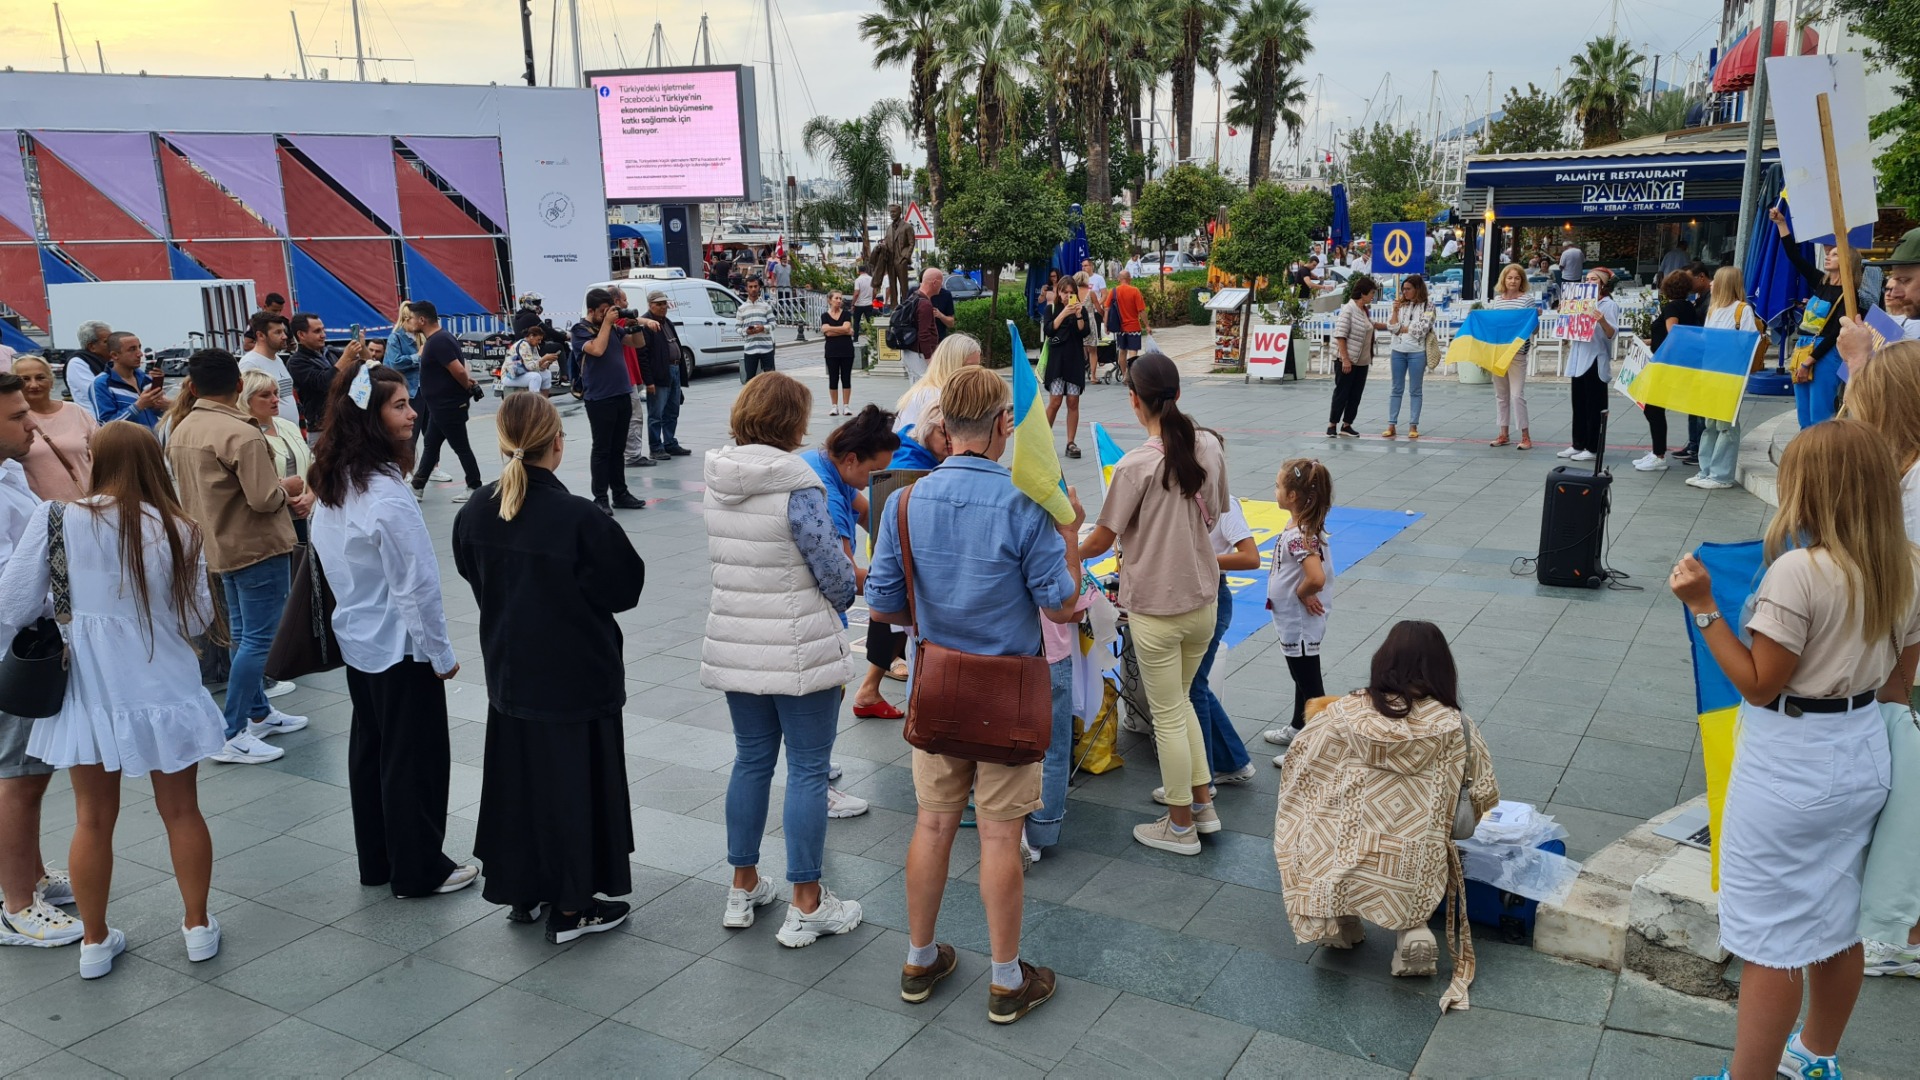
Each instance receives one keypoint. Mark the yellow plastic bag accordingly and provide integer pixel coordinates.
(1099, 756)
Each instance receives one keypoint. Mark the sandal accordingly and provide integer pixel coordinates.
(879, 710)
(1073, 451)
(1525, 445)
(1389, 433)
(1413, 431)
(1501, 441)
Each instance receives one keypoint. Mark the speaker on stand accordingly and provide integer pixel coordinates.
(1573, 523)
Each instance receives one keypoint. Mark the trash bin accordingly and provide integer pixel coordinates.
(1197, 298)
(1473, 373)
(860, 354)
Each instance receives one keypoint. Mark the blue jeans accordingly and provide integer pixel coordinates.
(1815, 401)
(1407, 368)
(255, 596)
(761, 722)
(752, 364)
(663, 413)
(1696, 425)
(1719, 450)
(1225, 751)
(1043, 825)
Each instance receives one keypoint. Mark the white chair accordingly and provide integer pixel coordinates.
(1542, 344)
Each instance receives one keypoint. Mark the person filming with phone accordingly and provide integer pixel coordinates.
(313, 364)
(124, 391)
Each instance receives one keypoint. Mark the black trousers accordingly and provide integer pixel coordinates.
(1589, 409)
(399, 761)
(1657, 427)
(1347, 388)
(1305, 671)
(607, 420)
(447, 424)
(884, 646)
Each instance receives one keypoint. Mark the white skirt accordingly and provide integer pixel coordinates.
(1800, 809)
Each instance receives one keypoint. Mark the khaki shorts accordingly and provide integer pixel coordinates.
(1000, 792)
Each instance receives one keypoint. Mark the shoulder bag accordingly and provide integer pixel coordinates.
(1434, 354)
(1465, 820)
(33, 674)
(996, 710)
(304, 643)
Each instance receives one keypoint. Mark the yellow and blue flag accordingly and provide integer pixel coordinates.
(1492, 337)
(1736, 570)
(1698, 370)
(1036, 467)
(1107, 453)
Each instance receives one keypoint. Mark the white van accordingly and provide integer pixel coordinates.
(703, 313)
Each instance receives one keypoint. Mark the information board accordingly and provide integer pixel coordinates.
(1267, 350)
(677, 135)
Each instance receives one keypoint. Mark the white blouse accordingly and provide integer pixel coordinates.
(380, 563)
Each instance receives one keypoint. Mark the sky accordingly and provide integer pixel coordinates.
(1357, 71)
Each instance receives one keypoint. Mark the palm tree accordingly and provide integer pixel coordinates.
(1268, 42)
(1601, 88)
(1198, 26)
(1290, 95)
(987, 48)
(1087, 32)
(860, 154)
(909, 32)
(1666, 112)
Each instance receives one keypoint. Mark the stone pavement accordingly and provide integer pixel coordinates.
(1171, 966)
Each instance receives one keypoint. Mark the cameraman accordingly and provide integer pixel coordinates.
(599, 351)
(449, 392)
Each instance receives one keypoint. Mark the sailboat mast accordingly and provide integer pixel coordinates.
(779, 136)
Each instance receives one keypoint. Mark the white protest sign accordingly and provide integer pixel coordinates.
(1794, 83)
(1632, 359)
(1267, 350)
(1579, 310)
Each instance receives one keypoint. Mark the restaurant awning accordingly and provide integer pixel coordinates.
(1735, 71)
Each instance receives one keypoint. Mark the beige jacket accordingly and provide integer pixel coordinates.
(230, 486)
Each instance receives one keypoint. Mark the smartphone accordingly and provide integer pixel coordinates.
(357, 333)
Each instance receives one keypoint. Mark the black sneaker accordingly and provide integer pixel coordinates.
(524, 915)
(679, 451)
(600, 504)
(625, 500)
(640, 462)
(597, 917)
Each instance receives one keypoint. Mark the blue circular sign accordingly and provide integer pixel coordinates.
(606, 91)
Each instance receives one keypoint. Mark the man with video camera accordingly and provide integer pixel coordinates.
(599, 351)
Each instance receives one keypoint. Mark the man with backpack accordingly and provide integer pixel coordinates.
(918, 325)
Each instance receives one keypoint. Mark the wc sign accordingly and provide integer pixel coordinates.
(1267, 351)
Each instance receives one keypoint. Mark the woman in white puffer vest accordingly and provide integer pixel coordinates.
(777, 646)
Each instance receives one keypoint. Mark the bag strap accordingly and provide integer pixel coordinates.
(57, 556)
(1467, 730)
(906, 556)
(62, 459)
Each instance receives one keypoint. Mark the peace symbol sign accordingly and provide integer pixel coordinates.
(1398, 247)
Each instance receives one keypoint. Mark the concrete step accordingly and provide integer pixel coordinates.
(1591, 925)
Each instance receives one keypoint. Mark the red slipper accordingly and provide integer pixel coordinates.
(879, 710)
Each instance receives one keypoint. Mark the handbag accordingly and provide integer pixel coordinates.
(304, 643)
(33, 674)
(996, 710)
(1434, 354)
(1465, 819)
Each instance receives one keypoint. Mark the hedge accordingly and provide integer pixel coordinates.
(976, 317)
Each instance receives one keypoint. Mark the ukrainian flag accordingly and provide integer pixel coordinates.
(1107, 453)
(1492, 337)
(1036, 468)
(1699, 370)
(1736, 570)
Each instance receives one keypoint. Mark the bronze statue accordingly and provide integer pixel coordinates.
(892, 259)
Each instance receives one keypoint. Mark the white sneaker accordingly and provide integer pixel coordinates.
(1281, 736)
(1279, 761)
(276, 688)
(461, 877)
(1711, 485)
(833, 916)
(1885, 959)
(40, 925)
(97, 960)
(1568, 452)
(246, 749)
(462, 495)
(55, 888)
(1237, 776)
(1584, 455)
(203, 942)
(1160, 794)
(740, 904)
(1651, 463)
(1028, 855)
(275, 723)
(833, 770)
(440, 476)
(842, 805)
(419, 495)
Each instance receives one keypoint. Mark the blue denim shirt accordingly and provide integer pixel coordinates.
(986, 558)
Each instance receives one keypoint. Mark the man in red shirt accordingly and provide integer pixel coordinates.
(1133, 309)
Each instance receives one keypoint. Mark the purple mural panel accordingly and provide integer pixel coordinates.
(118, 163)
(15, 205)
(363, 164)
(471, 166)
(245, 165)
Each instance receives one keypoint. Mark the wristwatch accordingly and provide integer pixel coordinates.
(1704, 619)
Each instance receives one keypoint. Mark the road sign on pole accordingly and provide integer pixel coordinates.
(919, 222)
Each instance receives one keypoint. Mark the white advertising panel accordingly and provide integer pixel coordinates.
(676, 135)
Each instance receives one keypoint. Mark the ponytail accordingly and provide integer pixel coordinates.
(528, 425)
(1156, 382)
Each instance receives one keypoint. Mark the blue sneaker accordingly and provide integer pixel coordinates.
(1801, 1062)
(1721, 1075)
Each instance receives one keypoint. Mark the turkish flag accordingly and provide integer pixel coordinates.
(1232, 131)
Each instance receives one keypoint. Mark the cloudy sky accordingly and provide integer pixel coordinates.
(1368, 59)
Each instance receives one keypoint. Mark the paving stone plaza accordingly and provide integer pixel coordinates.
(1170, 966)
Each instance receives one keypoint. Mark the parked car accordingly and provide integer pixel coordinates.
(703, 311)
(964, 288)
(1175, 261)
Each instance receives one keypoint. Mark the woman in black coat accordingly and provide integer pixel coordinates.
(549, 572)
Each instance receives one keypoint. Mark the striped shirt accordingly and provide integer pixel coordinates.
(755, 315)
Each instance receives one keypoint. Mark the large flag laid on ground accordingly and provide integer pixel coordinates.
(1736, 570)
(1698, 370)
(1492, 337)
(1107, 453)
(1036, 468)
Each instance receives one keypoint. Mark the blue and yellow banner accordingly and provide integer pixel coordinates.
(1736, 570)
(1036, 467)
(1492, 337)
(1698, 370)
(1107, 453)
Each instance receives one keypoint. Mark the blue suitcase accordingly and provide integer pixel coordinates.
(1511, 914)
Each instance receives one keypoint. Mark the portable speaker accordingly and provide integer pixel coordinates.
(1573, 524)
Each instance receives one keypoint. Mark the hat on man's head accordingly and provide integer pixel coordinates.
(531, 298)
(1905, 253)
(657, 297)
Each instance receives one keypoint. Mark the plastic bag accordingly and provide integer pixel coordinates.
(1098, 756)
(1523, 871)
(1518, 823)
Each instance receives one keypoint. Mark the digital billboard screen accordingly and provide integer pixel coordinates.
(677, 135)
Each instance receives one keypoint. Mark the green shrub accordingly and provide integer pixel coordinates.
(976, 317)
(1168, 306)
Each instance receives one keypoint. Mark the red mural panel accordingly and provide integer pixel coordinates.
(199, 208)
(22, 287)
(77, 211)
(123, 262)
(315, 212)
(424, 211)
(262, 261)
(8, 230)
(470, 263)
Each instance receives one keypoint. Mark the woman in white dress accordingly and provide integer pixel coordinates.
(135, 706)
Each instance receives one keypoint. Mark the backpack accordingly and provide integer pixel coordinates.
(903, 326)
